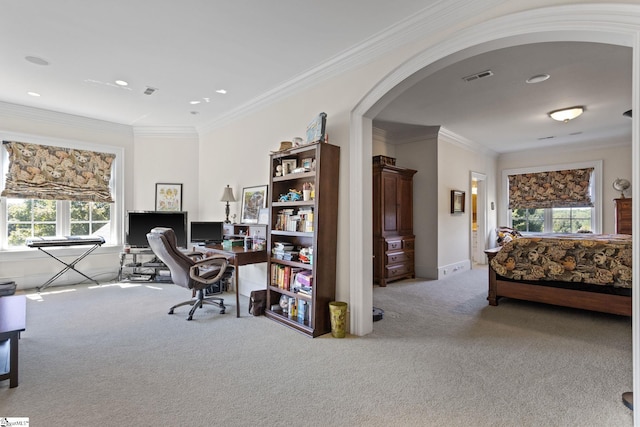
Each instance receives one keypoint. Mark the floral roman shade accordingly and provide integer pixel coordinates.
(57, 173)
(553, 189)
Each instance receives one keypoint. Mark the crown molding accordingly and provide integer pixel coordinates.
(165, 132)
(446, 135)
(431, 20)
(62, 119)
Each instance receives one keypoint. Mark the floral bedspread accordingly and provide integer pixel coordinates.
(600, 259)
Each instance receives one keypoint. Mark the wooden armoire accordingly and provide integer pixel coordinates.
(393, 238)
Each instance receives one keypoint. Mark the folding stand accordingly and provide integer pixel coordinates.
(48, 242)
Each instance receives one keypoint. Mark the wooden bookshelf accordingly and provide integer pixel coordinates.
(286, 220)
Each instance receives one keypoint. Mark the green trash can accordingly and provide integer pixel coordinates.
(338, 315)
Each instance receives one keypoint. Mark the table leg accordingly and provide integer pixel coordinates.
(237, 274)
(13, 363)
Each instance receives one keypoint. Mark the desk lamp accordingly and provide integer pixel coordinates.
(227, 196)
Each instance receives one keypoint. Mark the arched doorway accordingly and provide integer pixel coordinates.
(614, 24)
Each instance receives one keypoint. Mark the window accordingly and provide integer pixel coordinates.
(24, 218)
(557, 219)
(40, 218)
(89, 218)
(552, 220)
(28, 218)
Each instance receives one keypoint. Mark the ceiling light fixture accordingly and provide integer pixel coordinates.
(221, 91)
(121, 83)
(36, 60)
(566, 114)
(194, 102)
(33, 94)
(538, 78)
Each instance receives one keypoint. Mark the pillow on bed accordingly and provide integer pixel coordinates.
(506, 234)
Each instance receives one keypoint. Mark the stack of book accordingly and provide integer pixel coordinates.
(283, 276)
(304, 279)
(306, 220)
(280, 250)
(287, 221)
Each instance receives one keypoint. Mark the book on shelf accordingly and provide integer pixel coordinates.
(304, 278)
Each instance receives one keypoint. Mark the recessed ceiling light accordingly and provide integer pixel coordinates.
(33, 93)
(538, 78)
(194, 102)
(222, 91)
(36, 60)
(121, 83)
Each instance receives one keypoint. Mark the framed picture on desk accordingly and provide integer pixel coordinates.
(253, 199)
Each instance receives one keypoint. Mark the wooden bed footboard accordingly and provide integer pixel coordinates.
(605, 303)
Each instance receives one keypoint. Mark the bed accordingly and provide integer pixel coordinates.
(585, 271)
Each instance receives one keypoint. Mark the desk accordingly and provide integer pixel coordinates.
(238, 256)
(43, 243)
(12, 322)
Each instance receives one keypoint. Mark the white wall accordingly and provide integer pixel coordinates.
(423, 157)
(162, 157)
(456, 161)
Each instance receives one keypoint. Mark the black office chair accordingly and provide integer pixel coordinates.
(192, 272)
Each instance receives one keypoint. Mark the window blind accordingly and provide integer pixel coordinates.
(57, 173)
(552, 189)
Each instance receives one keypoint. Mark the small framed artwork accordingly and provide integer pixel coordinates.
(306, 163)
(263, 216)
(253, 200)
(168, 197)
(316, 129)
(457, 201)
(288, 165)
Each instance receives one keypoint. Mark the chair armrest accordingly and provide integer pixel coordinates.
(195, 255)
(218, 260)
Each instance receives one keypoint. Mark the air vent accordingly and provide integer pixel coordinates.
(150, 90)
(545, 137)
(478, 76)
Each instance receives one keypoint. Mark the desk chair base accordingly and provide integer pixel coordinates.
(199, 301)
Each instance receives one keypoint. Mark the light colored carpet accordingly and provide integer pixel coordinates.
(111, 356)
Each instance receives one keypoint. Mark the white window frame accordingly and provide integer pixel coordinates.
(596, 182)
(63, 225)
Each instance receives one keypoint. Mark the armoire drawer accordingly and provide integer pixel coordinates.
(399, 257)
(393, 245)
(398, 270)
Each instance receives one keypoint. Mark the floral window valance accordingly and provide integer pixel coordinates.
(57, 173)
(553, 189)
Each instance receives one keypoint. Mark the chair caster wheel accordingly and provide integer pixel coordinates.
(222, 311)
(189, 318)
(170, 311)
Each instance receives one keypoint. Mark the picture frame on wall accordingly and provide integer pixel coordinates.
(253, 200)
(457, 201)
(168, 197)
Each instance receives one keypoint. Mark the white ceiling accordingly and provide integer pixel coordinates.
(256, 49)
(504, 113)
(186, 49)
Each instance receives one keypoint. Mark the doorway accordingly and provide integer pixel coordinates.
(478, 219)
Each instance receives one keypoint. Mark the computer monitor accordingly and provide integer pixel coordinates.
(141, 222)
(207, 231)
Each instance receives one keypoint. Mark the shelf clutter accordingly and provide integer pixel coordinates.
(302, 235)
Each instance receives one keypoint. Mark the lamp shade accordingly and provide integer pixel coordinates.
(227, 195)
(566, 114)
